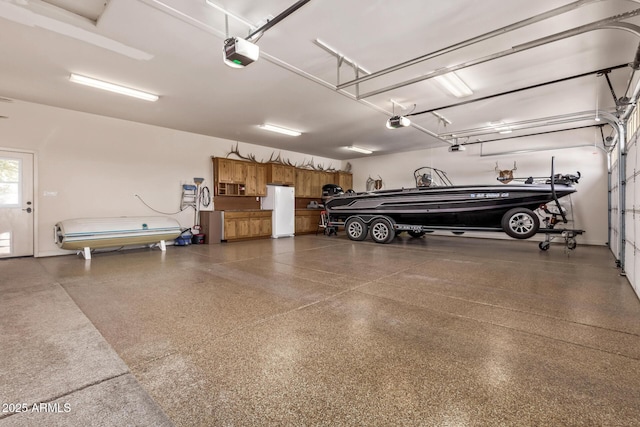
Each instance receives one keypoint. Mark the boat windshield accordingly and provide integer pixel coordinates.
(431, 177)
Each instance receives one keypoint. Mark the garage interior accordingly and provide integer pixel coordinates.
(317, 329)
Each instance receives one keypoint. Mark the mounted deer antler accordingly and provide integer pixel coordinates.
(505, 176)
(236, 151)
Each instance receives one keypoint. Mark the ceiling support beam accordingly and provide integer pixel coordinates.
(611, 22)
(528, 124)
(471, 41)
(288, 11)
(564, 79)
(532, 134)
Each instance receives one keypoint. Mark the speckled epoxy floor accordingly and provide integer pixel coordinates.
(320, 330)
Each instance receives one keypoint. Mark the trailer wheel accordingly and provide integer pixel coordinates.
(544, 246)
(382, 231)
(416, 234)
(520, 223)
(356, 229)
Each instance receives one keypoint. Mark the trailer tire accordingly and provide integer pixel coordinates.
(520, 223)
(356, 229)
(382, 231)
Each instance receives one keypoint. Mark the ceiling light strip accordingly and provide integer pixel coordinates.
(111, 87)
(279, 129)
(454, 85)
(359, 150)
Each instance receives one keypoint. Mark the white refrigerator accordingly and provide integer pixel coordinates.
(282, 201)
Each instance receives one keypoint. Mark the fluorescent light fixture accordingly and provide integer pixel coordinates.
(454, 85)
(358, 149)
(88, 81)
(279, 129)
(501, 127)
(396, 122)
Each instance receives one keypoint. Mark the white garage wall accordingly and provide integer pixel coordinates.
(92, 166)
(469, 167)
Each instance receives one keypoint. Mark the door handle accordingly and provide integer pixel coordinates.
(28, 210)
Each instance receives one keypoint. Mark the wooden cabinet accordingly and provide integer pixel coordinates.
(239, 178)
(229, 177)
(242, 178)
(251, 188)
(303, 183)
(261, 180)
(316, 187)
(228, 171)
(256, 179)
(307, 221)
(211, 223)
(280, 174)
(246, 224)
(344, 180)
(223, 170)
(239, 172)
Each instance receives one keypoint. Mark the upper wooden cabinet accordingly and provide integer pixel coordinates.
(239, 178)
(303, 183)
(280, 174)
(242, 178)
(252, 179)
(261, 179)
(344, 180)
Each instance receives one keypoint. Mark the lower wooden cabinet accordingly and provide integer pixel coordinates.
(307, 220)
(246, 224)
(235, 225)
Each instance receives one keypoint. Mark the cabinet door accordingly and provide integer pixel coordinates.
(299, 183)
(265, 226)
(277, 174)
(289, 175)
(251, 180)
(254, 226)
(261, 181)
(239, 172)
(347, 183)
(243, 228)
(344, 180)
(316, 187)
(327, 178)
(230, 232)
(226, 171)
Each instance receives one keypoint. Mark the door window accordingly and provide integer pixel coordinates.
(10, 187)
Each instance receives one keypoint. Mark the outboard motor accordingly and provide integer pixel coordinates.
(329, 191)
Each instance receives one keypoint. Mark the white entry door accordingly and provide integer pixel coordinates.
(16, 204)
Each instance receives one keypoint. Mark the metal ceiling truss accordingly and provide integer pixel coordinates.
(607, 23)
(604, 23)
(564, 79)
(533, 134)
(471, 41)
(526, 124)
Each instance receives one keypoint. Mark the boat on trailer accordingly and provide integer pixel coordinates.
(436, 204)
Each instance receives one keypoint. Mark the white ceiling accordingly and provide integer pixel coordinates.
(174, 48)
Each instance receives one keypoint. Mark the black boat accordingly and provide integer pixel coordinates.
(437, 204)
